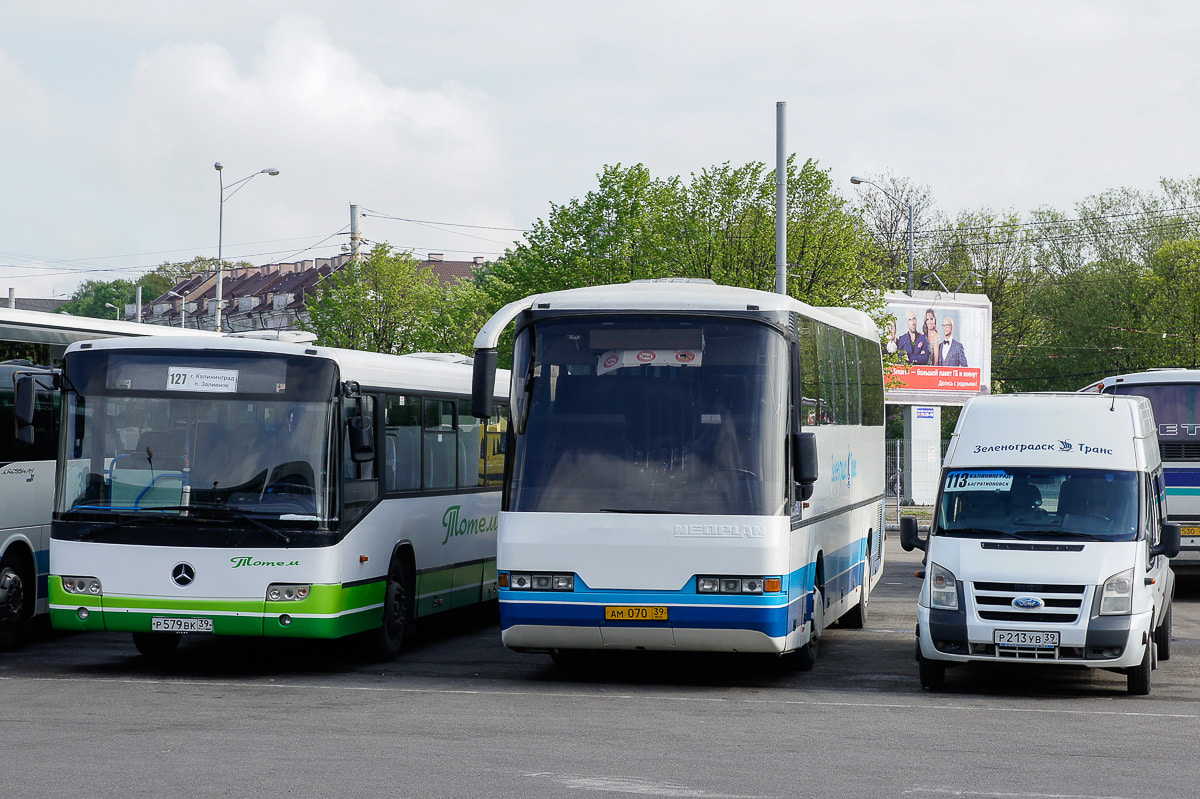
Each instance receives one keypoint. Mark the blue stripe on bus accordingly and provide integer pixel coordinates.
(1184, 478)
(774, 615)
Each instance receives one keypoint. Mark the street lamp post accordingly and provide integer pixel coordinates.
(115, 308)
(182, 308)
(857, 180)
(233, 189)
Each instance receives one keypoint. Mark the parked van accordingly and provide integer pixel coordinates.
(1049, 541)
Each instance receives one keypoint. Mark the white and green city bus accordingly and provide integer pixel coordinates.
(258, 488)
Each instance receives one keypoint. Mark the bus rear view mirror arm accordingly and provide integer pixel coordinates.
(909, 537)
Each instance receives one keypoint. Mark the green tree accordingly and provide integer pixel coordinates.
(93, 297)
(386, 303)
(718, 225)
(1175, 314)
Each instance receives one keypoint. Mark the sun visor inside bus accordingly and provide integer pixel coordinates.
(687, 338)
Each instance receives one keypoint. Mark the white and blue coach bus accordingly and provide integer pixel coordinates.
(691, 467)
(1175, 396)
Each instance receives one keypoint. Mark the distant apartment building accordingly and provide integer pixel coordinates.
(268, 297)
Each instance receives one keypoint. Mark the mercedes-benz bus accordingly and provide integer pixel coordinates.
(242, 487)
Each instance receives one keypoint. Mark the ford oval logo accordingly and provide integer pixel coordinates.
(1028, 603)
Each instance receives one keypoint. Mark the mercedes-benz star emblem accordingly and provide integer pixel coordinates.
(183, 574)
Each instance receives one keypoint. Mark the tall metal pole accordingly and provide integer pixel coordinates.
(910, 249)
(220, 238)
(780, 198)
(355, 235)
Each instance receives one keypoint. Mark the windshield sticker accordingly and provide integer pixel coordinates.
(979, 481)
(1062, 445)
(618, 359)
(216, 381)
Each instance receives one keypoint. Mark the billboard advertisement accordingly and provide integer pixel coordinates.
(944, 345)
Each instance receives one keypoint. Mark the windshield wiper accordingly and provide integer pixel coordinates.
(173, 509)
(1070, 534)
(637, 510)
(114, 525)
(965, 531)
(240, 516)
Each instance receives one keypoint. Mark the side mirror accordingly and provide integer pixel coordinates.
(362, 439)
(804, 460)
(24, 405)
(483, 382)
(1168, 543)
(910, 539)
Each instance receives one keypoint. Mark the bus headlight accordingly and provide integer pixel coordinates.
(943, 588)
(536, 582)
(712, 584)
(82, 585)
(1116, 596)
(288, 592)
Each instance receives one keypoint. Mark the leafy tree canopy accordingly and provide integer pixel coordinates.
(391, 302)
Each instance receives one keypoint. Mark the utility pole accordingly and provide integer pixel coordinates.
(780, 198)
(355, 236)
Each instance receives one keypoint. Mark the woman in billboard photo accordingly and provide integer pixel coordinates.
(931, 335)
(889, 340)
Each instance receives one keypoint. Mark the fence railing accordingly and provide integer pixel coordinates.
(911, 472)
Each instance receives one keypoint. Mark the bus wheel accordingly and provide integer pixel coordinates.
(1138, 677)
(1162, 636)
(805, 657)
(931, 672)
(157, 647)
(16, 601)
(856, 617)
(386, 641)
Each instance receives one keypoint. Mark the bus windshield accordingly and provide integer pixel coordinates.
(662, 414)
(1057, 504)
(176, 433)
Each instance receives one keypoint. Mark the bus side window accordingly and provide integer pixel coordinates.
(495, 447)
(402, 444)
(469, 446)
(440, 447)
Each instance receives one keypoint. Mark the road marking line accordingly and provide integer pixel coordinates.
(625, 696)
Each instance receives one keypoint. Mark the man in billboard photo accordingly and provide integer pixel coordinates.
(913, 344)
(951, 349)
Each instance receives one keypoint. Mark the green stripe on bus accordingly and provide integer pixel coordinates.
(330, 611)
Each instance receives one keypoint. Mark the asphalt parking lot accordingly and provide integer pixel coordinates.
(459, 715)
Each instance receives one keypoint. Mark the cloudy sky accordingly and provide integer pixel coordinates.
(482, 114)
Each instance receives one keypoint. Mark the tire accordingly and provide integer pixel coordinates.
(1162, 636)
(157, 647)
(804, 658)
(931, 672)
(856, 618)
(385, 642)
(1138, 677)
(16, 601)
